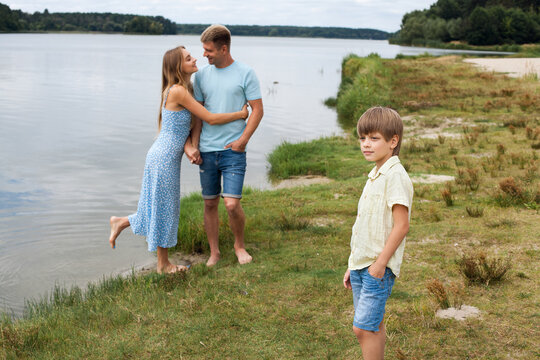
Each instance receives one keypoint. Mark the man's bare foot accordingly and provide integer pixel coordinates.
(213, 260)
(172, 269)
(117, 225)
(243, 256)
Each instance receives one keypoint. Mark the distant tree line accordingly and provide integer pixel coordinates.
(16, 21)
(478, 22)
(291, 31)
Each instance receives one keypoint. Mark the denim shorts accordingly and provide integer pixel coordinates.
(369, 297)
(229, 164)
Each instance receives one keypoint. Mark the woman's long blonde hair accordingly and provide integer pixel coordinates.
(172, 75)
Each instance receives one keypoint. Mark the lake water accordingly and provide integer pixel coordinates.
(78, 113)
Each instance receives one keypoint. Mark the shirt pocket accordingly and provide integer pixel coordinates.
(372, 204)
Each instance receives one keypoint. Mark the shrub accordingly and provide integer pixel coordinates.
(438, 292)
(475, 211)
(445, 297)
(510, 188)
(479, 269)
(447, 197)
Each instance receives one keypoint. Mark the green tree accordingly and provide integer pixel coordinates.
(482, 29)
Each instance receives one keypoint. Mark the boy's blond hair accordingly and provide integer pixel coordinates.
(383, 120)
(218, 34)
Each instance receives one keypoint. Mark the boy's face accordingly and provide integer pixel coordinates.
(375, 147)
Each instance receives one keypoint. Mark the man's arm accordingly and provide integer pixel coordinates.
(253, 122)
(400, 215)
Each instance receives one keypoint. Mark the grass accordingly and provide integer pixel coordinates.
(290, 302)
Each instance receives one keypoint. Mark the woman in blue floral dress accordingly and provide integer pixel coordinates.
(158, 211)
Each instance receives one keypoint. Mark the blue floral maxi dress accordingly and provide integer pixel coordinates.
(159, 203)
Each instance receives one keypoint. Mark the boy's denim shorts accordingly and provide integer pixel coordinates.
(369, 297)
(229, 164)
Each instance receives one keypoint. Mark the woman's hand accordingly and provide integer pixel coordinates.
(245, 112)
(192, 153)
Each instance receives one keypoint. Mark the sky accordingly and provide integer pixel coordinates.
(375, 14)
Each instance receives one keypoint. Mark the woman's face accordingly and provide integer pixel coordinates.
(189, 65)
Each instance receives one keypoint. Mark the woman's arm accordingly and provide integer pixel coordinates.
(184, 98)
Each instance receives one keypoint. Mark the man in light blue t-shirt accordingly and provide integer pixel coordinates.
(224, 86)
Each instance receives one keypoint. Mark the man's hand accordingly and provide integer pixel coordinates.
(237, 145)
(347, 279)
(193, 154)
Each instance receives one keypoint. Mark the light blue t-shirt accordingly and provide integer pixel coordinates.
(224, 90)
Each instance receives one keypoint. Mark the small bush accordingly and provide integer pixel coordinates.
(447, 197)
(291, 222)
(444, 297)
(438, 292)
(510, 188)
(441, 139)
(475, 212)
(479, 269)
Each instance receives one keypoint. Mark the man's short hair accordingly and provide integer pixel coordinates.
(383, 120)
(218, 34)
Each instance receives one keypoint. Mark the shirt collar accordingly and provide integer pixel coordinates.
(374, 173)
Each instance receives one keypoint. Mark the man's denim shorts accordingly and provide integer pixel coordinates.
(369, 297)
(229, 164)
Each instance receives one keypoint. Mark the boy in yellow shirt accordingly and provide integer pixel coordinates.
(378, 235)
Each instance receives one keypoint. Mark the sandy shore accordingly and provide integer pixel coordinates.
(514, 67)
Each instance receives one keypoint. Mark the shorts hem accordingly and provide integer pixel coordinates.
(364, 327)
(231, 196)
(210, 197)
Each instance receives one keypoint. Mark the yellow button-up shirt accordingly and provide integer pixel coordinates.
(386, 187)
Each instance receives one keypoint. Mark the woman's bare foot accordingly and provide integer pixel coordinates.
(117, 225)
(243, 256)
(171, 269)
(213, 260)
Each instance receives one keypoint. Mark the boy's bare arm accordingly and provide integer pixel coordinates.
(400, 215)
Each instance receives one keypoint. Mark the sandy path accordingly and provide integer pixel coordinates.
(514, 67)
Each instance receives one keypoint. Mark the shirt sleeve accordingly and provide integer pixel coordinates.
(399, 191)
(197, 93)
(252, 89)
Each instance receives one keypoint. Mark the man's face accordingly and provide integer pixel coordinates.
(212, 53)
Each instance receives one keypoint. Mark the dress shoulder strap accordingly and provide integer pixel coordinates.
(166, 96)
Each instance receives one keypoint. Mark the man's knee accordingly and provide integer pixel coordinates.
(211, 204)
(232, 205)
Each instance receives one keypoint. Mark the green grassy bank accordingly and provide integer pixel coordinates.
(481, 128)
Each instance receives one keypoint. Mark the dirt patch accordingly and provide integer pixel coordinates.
(464, 312)
(431, 179)
(302, 181)
(417, 127)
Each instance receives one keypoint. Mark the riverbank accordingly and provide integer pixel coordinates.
(290, 302)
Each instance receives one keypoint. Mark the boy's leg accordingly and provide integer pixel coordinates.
(370, 295)
(371, 342)
(211, 189)
(233, 169)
